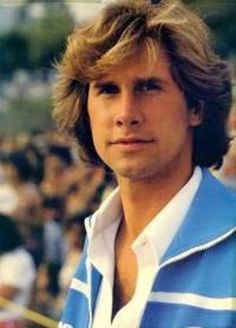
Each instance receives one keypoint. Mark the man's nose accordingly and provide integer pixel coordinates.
(128, 112)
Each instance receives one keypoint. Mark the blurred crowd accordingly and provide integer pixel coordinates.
(227, 173)
(48, 192)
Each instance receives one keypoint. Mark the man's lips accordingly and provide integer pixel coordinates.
(131, 141)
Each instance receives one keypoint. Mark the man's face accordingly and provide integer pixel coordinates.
(140, 123)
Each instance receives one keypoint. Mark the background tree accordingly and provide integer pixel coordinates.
(220, 17)
(47, 36)
(34, 44)
(14, 49)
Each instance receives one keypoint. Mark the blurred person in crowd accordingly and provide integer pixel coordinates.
(86, 190)
(8, 194)
(76, 184)
(52, 137)
(57, 162)
(17, 272)
(144, 93)
(53, 245)
(17, 173)
(8, 143)
(35, 157)
(227, 173)
(74, 237)
(20, 198)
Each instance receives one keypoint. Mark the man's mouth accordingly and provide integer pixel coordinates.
(131, 140)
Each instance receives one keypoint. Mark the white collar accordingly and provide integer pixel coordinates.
(102, 227)
(163, 227)
(101, 230)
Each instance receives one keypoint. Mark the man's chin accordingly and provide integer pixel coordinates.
(133, 173)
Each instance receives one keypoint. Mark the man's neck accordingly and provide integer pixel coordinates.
(143, 199)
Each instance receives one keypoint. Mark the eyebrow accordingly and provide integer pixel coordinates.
(153, 79)
(100, 83)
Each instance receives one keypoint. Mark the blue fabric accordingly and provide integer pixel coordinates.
(210, 272)
(176, 316)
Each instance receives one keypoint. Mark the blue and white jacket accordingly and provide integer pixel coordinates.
(196, 283)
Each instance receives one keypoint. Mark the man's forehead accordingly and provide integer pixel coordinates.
(140, 65)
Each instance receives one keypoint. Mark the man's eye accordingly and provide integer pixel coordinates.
(145, 86)
(108, 89)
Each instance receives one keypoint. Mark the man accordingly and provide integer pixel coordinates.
(145, 95)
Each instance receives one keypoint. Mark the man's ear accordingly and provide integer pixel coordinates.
(196, 115)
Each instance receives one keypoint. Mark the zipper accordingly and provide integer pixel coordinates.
(89, 273)
(197, 249)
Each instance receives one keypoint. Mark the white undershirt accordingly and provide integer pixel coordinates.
(17, 270)
(149, 248)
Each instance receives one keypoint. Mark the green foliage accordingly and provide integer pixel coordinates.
(26, 115)
(220, 17)
(14, 49)
(47, 36)
(34, 45)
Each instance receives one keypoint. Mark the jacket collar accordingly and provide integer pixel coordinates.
(211, 215)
